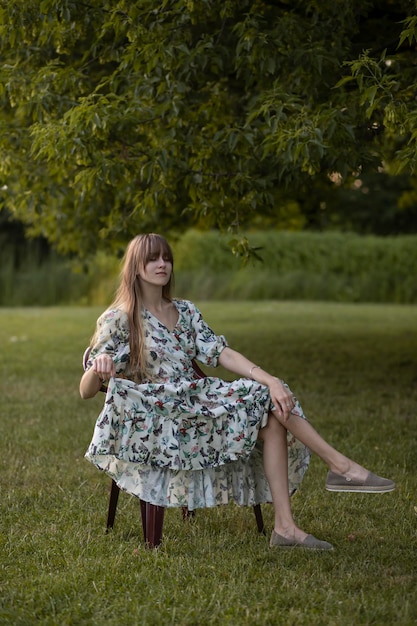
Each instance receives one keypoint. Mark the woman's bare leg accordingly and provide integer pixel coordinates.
(335, 460)
(275, 460)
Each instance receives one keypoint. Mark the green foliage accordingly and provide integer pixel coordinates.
(123, 117)
(281, 265)
(31, 274)
(41, 284)
(54, 280)
(299, 266)
(57, 564)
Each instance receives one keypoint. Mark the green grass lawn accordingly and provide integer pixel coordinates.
(353, 367)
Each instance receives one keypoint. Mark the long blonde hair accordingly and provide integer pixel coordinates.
(128, 297)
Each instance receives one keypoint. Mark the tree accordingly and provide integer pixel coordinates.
(131, 115)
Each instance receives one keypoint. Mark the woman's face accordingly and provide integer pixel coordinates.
(157, 270)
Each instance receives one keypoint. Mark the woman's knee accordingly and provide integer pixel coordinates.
(273, 428)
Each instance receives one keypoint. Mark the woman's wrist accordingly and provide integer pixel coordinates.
(260, 376)
(102, 380)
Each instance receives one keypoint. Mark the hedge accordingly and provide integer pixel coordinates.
(304, 265)
(295, 266)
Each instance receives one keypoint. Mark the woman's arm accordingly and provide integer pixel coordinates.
(101, 371)
(110, 343)
(281, 397)
(238, 364)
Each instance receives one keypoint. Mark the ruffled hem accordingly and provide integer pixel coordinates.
(242, 481)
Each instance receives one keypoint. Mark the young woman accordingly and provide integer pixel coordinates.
(175, 440)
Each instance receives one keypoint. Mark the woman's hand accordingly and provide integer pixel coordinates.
(282, 399)
(100, 372)
(103, 366)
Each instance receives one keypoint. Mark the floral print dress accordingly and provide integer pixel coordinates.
(176, 440)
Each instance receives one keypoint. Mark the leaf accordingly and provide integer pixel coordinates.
(410, 32)
(343, 81)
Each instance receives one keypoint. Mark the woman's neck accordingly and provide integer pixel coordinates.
(152, 298)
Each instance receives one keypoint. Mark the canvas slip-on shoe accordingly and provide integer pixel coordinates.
(371, 484)
(309, 543)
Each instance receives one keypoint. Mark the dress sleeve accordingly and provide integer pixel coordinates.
(208, 345)
(112, 338)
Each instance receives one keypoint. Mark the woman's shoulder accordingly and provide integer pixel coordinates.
(112, 332)
(185, 306)
(114, 317)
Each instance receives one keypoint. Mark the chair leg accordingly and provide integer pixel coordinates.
(152, 523)
(186, 513)
(259, 519)
(114, 497)
(153, 517)
(143, 512)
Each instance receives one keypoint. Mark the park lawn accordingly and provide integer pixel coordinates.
(354, 369)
